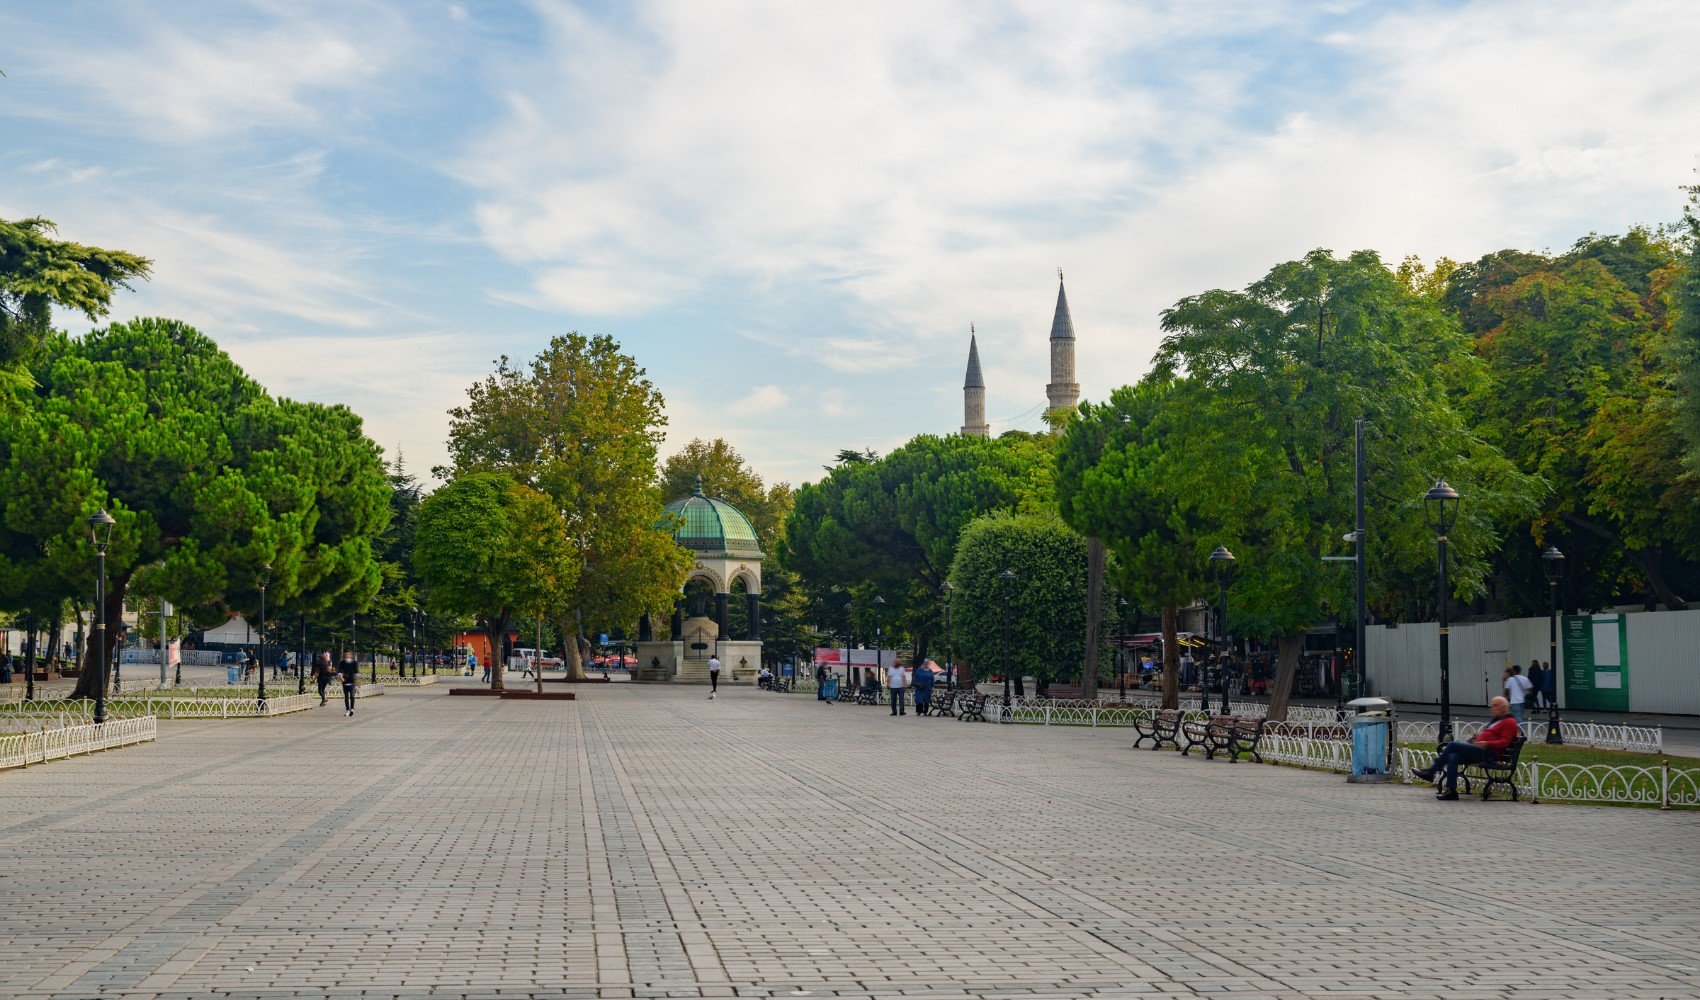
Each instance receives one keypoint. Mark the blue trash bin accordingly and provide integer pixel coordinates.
(1372, 729)
(230, 674)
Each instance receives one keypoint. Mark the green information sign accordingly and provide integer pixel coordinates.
(1596, 662)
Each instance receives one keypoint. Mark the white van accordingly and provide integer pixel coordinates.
(517, 659)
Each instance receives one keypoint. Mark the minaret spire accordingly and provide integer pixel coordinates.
(1064, 392)
(974, 393)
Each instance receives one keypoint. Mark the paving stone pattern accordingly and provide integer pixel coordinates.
(647, 842)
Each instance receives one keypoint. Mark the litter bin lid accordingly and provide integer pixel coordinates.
(1369, 704)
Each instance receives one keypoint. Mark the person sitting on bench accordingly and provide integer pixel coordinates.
(1484, 748)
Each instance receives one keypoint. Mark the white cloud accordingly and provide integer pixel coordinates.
(196, 79)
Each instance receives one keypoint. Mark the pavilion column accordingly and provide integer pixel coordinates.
(720, 612)
(678, 619)
(753, 602)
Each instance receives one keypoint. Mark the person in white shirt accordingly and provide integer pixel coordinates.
(897, 679)
(1517, 691)
(713, 677)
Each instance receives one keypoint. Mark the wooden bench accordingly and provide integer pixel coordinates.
(944, 703)
(1233, 735)
(1495, 772)
(1162, 727)
(971, 708)
(1195, 733)
(1063, 692)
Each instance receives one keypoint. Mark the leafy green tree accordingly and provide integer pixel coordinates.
(889, 526)
(581, 425)
(38, 272)
(1267, 385)
(489, 548)
(208, 477)
(1046, 599)
(1116, 480)
(1582, 395)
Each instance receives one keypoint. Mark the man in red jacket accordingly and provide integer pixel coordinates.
(1487, 746)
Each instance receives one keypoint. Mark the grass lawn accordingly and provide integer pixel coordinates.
(1636, 783)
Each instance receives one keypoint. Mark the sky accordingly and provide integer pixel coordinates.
(789, 212)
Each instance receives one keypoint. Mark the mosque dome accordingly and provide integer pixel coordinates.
(707, 525)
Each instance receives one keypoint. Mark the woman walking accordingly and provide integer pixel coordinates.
(349, 668)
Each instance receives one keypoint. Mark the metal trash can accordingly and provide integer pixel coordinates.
(230, 674)
(1372, 740)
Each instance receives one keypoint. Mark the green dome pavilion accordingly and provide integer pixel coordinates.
(713, 527)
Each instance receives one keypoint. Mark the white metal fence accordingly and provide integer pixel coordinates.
(1585, 734)
(56, 742)
(1602, 784)
(242, 703)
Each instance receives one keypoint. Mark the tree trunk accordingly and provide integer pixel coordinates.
(1171, 657)
(55, 626)
(494, 629)
(113, 615)
(1094, 609)
(1286, 667)
(29, 641)
(1651, 563)
(569, 648)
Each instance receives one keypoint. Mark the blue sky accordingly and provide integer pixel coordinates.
(791, 212)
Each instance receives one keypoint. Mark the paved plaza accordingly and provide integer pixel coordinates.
(644, 841)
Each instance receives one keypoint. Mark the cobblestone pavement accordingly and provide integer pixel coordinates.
(644, 841)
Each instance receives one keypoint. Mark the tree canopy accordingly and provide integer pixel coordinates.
(581, 424)
(209, 478)
(38, 272)
(1046, 598)
(491, 549)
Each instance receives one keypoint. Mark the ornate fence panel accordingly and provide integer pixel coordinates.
(1586, 734)
(54, 743)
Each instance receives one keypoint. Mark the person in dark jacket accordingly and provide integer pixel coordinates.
(322, 674)
(922, 682)
(349, 668)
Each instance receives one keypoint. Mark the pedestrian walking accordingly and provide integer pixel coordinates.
(249, 662)
(350, 671)
(322, 674)
(1516, 691)
(1549, 684)
(897, 679)
(820, 681)
(1535, 688)
(926, 675)
(472, 658)
(713, 677)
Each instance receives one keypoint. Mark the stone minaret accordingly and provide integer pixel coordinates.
(974, 393)
(1064, 391)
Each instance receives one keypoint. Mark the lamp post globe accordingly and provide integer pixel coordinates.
(1442, 501)
(1008, 584)
(1552, 567)
(100, 532)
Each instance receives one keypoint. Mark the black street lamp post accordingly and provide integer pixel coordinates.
(413, 641)
(949, 638)
(1222, 565)
(849, 635)
(265, 578)
(1008, 713)
(879, 641)
(1445, 513)
(1121, 649)
(100, 530)
(1552, 564)
(301, 661)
